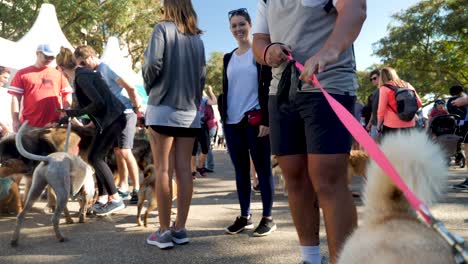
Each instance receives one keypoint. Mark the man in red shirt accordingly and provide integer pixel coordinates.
(39, 90)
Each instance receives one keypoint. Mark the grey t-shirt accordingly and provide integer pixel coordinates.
(305, 26)
(174, 69)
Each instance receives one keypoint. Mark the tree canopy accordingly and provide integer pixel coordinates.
(214, 72)
(428, 45)
(88, 22)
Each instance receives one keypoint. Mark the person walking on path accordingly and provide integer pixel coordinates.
(127, 94)
(107, 113)
(174, 76)
(246, 127)
(311, 144)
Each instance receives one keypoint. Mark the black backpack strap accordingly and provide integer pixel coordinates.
(328, 7)
(394, 89)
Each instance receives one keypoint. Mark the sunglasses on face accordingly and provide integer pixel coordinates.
(83, 63)
(237, 11)
(373, 79)
(48, 57)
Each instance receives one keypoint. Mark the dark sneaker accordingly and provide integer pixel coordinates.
(111, 207)
(194, 175)
(461, 186)
(124, 195)
(161, 240)
(256, 188)
(202, 172)
(179, 236)
(265, 227)
(208, 170)
(240, 225)
(134, 199)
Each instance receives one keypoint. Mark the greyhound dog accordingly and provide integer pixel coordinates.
(65, 173)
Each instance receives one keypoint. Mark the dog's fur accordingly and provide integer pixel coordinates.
(391, 231)
(357, 164)
(39, 141)
(65, 173)
(147, 192)
(12, 171)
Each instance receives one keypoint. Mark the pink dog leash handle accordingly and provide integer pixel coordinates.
(361, 136)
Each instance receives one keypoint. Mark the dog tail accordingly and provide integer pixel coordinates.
(422, 165)
(22, 150)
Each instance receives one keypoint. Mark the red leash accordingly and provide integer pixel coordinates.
(363, 138)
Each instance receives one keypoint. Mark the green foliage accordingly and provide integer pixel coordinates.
(89, 22)
(428, 45)
(214, 72)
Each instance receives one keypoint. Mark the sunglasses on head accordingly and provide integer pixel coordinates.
(237, 11)
(373, 78)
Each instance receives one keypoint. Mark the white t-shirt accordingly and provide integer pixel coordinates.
(242, 86)
(5, 106)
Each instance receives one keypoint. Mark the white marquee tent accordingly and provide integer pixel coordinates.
(46, 29)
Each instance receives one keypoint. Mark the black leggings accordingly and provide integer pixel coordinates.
(102, 144)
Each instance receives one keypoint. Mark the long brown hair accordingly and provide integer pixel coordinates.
(65, 59)
(181, 12)
(388, 74)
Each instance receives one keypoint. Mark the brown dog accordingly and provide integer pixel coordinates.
(357, 164)
(147, 192)
(10, 177)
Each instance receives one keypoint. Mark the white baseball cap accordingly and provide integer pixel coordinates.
(48, 49)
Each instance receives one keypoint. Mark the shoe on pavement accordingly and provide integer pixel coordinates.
(180, 236)
(240, 225)
(161, 240)
(266, 227)
(134, 198)
(461, 186)
(111, 207)
(124, 195)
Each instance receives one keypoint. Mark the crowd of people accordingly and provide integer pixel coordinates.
(266, 107)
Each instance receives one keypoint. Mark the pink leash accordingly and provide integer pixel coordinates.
(363, 138)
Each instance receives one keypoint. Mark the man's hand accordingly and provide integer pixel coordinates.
(276, 55)
(460, 101)
(369, 126)
(317, 63)
(263, 131)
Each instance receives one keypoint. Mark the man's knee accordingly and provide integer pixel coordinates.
(329, 175)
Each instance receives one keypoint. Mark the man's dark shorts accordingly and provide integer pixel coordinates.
(308, 125)
(125, 140)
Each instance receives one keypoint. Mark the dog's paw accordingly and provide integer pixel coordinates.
(63, 239)
(14, 243)
(69, 221)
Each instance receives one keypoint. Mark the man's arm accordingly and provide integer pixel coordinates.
(351, 16)
(212, 100)
(67, 101)
(132, 93)
(15, 107)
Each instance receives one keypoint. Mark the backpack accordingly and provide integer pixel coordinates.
(406, 102)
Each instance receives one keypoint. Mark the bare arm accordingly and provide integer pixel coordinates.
(15, 107)
(67, 101)
(212, 100)
(131, 91)
(351, 16)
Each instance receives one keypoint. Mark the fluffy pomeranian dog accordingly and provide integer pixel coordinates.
(391, 231)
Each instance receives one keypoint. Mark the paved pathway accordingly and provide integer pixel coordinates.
(117, 239)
